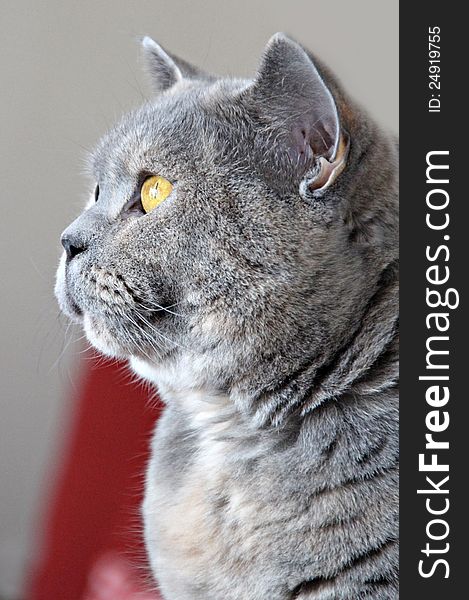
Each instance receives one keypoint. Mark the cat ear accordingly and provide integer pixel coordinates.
(166, 70)
(294, 99)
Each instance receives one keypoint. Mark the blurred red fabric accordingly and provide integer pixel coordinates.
(111, 578)
(92, 545)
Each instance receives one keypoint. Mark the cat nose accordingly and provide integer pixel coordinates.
(80, 234)
(72, 245)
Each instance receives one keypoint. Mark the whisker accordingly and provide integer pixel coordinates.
(159, 334)
(158, 308)
(151, 341)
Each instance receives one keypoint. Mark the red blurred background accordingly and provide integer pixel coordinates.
(91, 546)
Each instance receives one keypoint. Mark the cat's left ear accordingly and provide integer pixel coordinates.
(294, 99)
(165, 69)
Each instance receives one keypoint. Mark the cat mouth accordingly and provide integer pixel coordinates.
(73, 308)
(68, 304)
(118, 320)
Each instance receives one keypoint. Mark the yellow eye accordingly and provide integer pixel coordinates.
(154, 190)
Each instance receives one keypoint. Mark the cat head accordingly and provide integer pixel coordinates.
(238, 227)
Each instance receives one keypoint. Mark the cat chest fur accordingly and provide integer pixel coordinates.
(236, 512)
(201, 522)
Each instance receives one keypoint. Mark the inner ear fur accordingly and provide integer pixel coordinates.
(326, 171)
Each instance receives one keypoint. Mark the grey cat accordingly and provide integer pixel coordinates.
(241, 250)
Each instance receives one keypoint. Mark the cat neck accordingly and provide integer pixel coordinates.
(366, 364)
(181, 383)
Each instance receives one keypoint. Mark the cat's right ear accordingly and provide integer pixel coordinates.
(166, 70)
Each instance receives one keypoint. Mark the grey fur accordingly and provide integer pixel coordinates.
(261, 299)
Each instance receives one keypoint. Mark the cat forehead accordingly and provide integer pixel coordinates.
(182, 123)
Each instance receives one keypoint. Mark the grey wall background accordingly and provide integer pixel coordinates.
(68, 69)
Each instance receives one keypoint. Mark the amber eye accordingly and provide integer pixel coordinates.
(154, 190)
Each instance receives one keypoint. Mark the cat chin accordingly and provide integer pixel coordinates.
(143, 369)
(99, 337)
